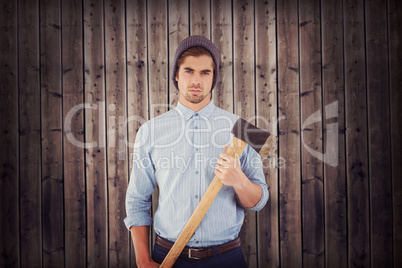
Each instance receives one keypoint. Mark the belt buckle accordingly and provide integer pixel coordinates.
(192, 257)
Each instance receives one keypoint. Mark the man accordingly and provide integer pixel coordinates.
(181, 151)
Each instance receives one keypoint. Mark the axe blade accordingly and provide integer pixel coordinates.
(260, 140)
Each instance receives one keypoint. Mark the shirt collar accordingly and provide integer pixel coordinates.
(188, 113)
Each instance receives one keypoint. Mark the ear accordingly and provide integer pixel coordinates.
(176, 78)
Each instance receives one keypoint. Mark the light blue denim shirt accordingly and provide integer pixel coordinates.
(178, 151)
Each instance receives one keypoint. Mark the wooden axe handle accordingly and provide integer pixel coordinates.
(234, 149)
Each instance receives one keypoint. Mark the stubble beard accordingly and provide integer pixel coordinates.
(195, 99)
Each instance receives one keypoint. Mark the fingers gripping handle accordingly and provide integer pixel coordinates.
(234, 149)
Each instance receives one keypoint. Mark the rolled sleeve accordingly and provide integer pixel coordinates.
(252, 168)
(263, 199)
(141, 185)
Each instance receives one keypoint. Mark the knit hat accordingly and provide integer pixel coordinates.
(197, 41)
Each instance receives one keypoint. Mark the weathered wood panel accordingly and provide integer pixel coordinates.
(9, 183)
(157, 68)
(200, 20)
(52, 140)
(243, 49)
(378, 131)
(30, 134)
(178, 30)
(289, 134)
(334, 132)
(74, 164)
(395, 71)
(356, 135)
(95, 135)
(116, 114)
(221, 23)
(157, 57)
(244, 99)
(267, 100)
(63, 210)
(137, 82)
(311, 134)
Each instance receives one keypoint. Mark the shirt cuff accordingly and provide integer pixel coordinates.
(263, 199)
(137, 221)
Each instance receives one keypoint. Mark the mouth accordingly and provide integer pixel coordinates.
(195, 91)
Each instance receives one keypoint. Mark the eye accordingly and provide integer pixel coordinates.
(188, 71)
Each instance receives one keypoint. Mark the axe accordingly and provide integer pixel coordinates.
(244, 133)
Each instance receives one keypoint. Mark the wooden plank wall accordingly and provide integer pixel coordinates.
(323, 75)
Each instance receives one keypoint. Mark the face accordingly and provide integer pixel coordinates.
(194, 79)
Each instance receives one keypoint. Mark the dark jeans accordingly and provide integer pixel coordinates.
(233, 259)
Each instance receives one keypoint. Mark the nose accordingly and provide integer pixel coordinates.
(196, 81)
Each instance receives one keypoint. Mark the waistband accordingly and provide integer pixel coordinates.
(200, 253)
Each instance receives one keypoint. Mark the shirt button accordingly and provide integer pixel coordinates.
(197, 242)
(196, 172)
(196, 196)
(195, 114)
(196, 127)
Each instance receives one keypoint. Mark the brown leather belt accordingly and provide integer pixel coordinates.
(200, 253)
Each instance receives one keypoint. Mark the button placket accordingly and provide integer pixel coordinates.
(197, 142)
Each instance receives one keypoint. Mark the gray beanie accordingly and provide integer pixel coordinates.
(197, 41)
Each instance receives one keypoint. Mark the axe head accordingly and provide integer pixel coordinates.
(260, 140)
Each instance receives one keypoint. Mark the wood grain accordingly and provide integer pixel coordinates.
(356, 135)
(243, 17)
(9, 183)
(221, 23)
(378, 131)
(179, 21)
(311, 134)
(334, 175)
(289, 134)
(137, 82)
(395, 73)
(95, 135)
(157, 68)
(116, 114)
(60, 205)
(30, 134)
(200, 21)
(74, 162)
(157, 57)
(267, 104)
(52, 141)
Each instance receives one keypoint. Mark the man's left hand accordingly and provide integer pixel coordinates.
(228, 169)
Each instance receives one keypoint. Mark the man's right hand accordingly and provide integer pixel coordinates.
(148, 264)
(140, 237)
